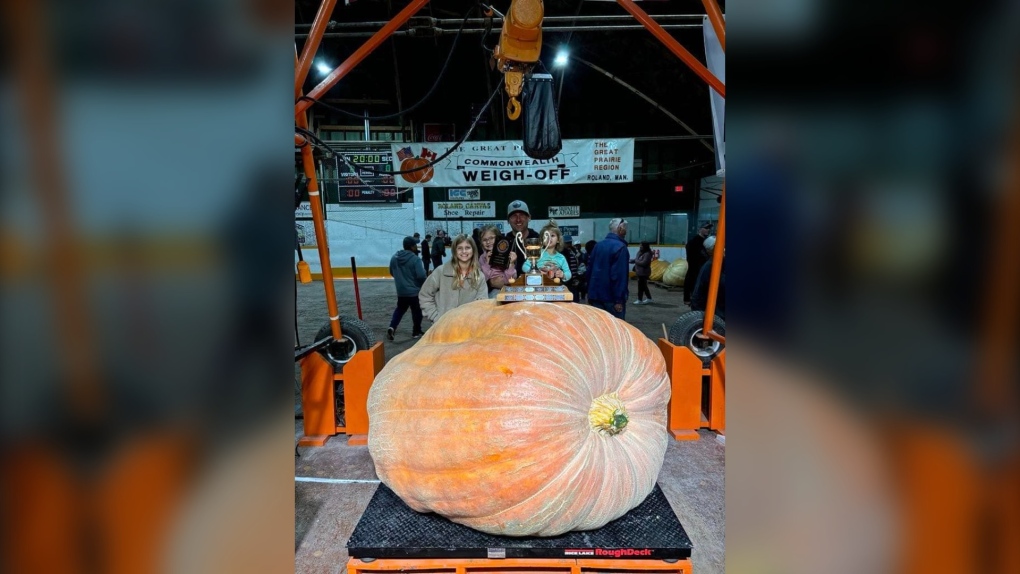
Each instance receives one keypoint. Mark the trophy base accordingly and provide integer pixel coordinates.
(535, 287)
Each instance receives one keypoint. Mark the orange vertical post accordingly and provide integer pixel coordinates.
(318, 220)
(717, 262)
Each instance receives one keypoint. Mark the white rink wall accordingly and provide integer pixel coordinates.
(372, 233)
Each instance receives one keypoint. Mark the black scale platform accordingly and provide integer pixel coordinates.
(390, 529)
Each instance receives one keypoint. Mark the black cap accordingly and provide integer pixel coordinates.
(409, 243)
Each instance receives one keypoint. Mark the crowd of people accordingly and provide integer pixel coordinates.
(598, 272)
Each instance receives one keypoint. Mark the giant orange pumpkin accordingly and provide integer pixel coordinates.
(522, 419)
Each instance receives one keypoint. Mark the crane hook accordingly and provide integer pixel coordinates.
(513, 109)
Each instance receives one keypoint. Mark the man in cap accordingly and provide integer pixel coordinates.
(518, 216)
(696, 257)
(409, 275)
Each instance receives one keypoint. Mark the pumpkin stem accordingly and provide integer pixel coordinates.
(608, 415)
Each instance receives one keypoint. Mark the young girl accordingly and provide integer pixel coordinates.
(551, 258)
(496, 278)
(454, 283)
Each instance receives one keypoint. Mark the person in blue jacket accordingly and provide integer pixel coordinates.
(609, 271)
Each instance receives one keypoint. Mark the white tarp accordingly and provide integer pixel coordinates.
(716, 59)
(493, 163)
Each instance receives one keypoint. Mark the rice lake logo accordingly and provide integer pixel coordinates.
(608, 552)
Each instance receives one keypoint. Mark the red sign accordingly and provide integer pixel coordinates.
(440, 133)
(678, 188)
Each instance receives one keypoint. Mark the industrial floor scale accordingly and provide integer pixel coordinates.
(390, 537)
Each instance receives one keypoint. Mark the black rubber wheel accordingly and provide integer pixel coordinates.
(683, 331)
(356, 336)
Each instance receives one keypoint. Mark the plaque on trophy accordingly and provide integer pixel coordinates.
(500, 258)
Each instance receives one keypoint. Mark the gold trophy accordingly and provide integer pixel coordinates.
(534, 285)
(533, 251)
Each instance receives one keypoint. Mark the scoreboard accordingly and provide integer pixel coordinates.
(375, 184)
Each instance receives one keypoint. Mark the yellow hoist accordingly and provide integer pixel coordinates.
(520, 44)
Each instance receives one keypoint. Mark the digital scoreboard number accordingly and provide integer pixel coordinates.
(369, 182)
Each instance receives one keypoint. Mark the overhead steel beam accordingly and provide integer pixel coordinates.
(497, 20)
(312, 45)
(433, 32)
(360, 54)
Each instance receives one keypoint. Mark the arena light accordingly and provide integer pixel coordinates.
(561, 59)
(323, 68)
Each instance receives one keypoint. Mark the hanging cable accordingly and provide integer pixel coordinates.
(434, 162)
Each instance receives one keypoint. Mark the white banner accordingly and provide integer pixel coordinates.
(716, 59)
(474, 209)
(505, 163)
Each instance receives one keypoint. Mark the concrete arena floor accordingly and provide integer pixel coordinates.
(327, 512)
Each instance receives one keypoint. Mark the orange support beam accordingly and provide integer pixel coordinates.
(360, 54)
(312, 42)
(318, 220)
(674, 46)
(717, 262)
(715, 17)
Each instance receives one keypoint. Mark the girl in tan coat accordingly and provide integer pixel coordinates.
(455, 283)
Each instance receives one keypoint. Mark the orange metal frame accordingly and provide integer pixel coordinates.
(303, 64)
(686, 373)
(318, 399)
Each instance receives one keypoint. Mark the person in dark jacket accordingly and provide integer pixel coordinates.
(519, 218)
(409, 275)
(699, 299)
(426, 255)
(609, 271)
(643, 269)
(696, 257)
(438, 249)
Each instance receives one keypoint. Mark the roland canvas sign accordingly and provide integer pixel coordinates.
(493, 163)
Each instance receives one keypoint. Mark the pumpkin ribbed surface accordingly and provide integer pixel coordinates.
(522, 419)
